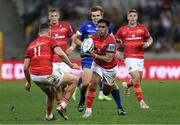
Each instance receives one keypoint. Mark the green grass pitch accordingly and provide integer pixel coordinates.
(20, 107)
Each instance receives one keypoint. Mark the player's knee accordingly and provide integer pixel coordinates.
(85, 83)
(73, 78)
(136, 79)
(106, 93)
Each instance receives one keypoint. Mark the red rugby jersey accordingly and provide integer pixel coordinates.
(61, 33)
(133, 39)
(101, 47)
(41, 52)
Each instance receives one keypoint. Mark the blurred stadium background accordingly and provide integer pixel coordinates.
(19, 20)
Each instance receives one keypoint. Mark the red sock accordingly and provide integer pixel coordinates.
(90, 95)
(129, 83)
(48, 110)
(58, 101)
(138, 91)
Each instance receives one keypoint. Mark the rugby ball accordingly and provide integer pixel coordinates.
(87, 45)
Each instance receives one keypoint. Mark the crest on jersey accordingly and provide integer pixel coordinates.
(139, 31)
(103, 45)
(63, 29)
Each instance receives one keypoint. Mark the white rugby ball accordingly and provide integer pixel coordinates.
(87, 45)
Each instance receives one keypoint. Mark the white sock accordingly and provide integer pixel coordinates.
(50, 116)
(89, 109)
(63, 104)
(142, 101)
(101, 93)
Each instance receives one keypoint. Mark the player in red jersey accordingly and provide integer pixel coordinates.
(104, 67)
(135, 37)
(38, 67)
(62, 32)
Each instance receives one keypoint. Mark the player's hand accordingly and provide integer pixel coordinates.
(27, 86)
(146, 45)
(119, 55)
(92, 54)
(75, 66)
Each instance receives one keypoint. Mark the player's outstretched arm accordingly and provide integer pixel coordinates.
(64, 57)
(72, 47)
(76, 39)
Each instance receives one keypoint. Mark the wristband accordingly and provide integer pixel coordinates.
(147, 43)
(95, 56)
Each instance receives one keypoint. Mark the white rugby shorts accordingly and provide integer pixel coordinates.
(133, 64)
(108, 75)
(45, 81)
(63, 67)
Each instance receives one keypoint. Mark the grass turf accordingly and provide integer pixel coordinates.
(20, 107)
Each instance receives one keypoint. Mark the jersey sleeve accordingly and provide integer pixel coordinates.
(54, 43)
(111, 48)
(70, 31)
(118, 34)
(82, 29)
(27, 53)
(146, 33)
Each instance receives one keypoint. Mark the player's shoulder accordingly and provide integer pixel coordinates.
(141, 25)
(123, 27)
(94, 36)
(64, 23)
(86, 23)
(111, 38)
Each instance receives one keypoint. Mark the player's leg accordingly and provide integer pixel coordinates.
(86, 77)
(49, 103)
(91, 93)
(75, 91)
(50, 95)
(101, 96)
(136, 77)
(78, 74)
(58, 91)
(110, 86)
(117, 98)
(143, 105)
(127, 85)
(68, 81)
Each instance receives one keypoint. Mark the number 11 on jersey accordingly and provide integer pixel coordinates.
(37, 51)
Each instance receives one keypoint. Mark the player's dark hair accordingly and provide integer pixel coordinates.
(104, 21)
(54, 10)
(43, 27)
(132, 11)
(97, 8)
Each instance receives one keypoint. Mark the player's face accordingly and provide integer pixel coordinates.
(132, 18)
(54, 18)
(102, 29)
(95, 16)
